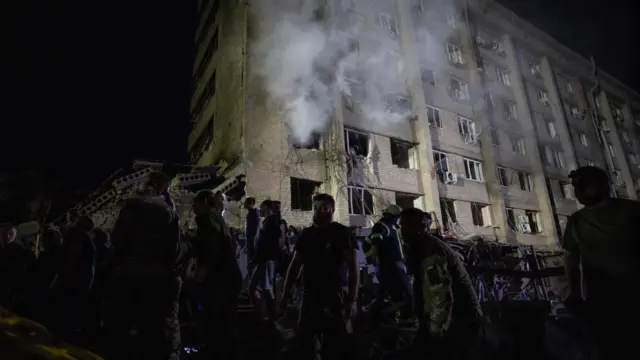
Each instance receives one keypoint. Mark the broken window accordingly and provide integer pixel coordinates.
(525, 181)
(511, 219)
(503, 76)
(534, 221)
(406, 201)
(401, 153)
(440, 165)
(397, 102)
(454, 53)
(448, 210)
(428, 76)
(473, 170)
(312, 143)
(433, 116)
(360, 201)
(353, 94)
(302, 192)
(517, 145)
(388, 23)
(502, 176)
(459, 89)
(480, 214)
(495, 137)
(356, 143)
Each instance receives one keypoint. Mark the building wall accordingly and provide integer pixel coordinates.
(251, 125)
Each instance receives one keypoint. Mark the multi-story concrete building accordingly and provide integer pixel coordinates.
(499, 120)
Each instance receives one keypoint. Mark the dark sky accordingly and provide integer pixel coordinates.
(86, 89)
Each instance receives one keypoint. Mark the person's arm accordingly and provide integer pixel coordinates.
(350, 254)
(572, 259)
(439, 282)
(374, 240)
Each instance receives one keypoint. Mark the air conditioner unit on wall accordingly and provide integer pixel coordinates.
(450, 177)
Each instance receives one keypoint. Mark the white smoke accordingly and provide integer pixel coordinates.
(304, 63)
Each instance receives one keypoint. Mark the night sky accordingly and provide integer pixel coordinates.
(87, 89)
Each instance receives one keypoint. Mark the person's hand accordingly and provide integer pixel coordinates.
(350, 309)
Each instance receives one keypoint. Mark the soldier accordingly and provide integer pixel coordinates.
(448, 308)
(145, 283)
(218, 276)
(387, 254)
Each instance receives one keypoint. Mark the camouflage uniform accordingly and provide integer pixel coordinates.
(445, 301)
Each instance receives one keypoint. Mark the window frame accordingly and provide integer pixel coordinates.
(477, 167)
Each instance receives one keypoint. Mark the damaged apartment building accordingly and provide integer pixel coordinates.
(497, 122)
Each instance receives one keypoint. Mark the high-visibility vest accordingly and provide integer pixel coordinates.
(369, 239)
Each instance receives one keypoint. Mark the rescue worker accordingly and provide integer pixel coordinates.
(601, 253)
(328, 252)
(144, 284)
(264, 262)
(386, 252)
(447, 306)
(218, 276)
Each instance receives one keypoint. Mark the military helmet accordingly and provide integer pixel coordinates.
(392, 210)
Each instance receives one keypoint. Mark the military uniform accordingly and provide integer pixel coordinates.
(220, 282)
(445, 301)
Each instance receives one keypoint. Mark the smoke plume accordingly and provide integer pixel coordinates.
(306, 58)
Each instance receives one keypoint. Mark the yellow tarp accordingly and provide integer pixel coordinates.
(21, 338)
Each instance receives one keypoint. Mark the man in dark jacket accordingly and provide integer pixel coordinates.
(144, 283)
(264, 263)
(218, 276)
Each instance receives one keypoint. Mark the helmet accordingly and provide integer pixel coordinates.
(392, 210)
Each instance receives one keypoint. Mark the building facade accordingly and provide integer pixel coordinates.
(500, 116)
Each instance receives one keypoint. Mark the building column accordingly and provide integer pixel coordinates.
(613, 138)
(336, 165)
(481, 115)
(531, 142)
(559, 114)
(420, 123)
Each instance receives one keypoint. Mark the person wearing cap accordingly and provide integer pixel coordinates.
(445, 302)
(602, 252)
(386, 252)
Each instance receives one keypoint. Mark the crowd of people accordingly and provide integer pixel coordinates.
(126, 292)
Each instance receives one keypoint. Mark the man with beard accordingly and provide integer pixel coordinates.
(446, 304)
(218, 276)
(603, 253)
(327, 250)
(145, 283)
